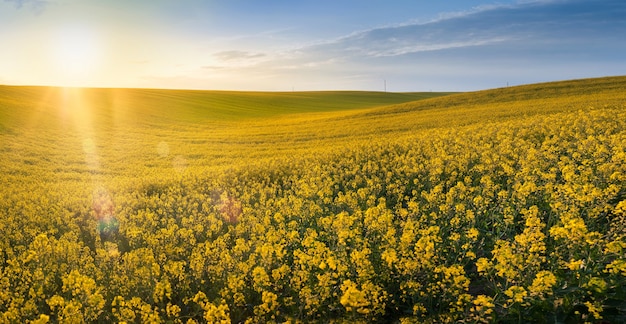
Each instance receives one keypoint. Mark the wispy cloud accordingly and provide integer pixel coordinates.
(235, 55)
(536, 21)
(416, 48)
(213, 67)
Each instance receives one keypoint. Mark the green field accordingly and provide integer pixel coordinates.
(205, 128)
(145, 205)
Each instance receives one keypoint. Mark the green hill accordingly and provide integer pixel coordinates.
(197, 106)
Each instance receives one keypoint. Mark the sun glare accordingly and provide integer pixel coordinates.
(76, 55)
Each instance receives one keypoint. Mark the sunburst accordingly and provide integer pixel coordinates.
(76, 53)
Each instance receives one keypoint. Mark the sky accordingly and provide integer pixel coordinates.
(286, 45)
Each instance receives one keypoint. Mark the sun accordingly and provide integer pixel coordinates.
(76, 54)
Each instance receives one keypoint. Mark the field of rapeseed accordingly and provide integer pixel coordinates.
(507, 205)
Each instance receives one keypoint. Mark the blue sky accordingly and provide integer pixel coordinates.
(280, 45)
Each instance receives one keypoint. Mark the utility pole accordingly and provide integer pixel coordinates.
(385, 84)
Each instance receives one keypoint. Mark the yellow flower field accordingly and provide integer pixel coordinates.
(506, 205)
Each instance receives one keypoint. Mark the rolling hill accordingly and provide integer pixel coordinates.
(137, 205)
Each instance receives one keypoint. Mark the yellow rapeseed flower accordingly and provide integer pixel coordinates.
(542, 284)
